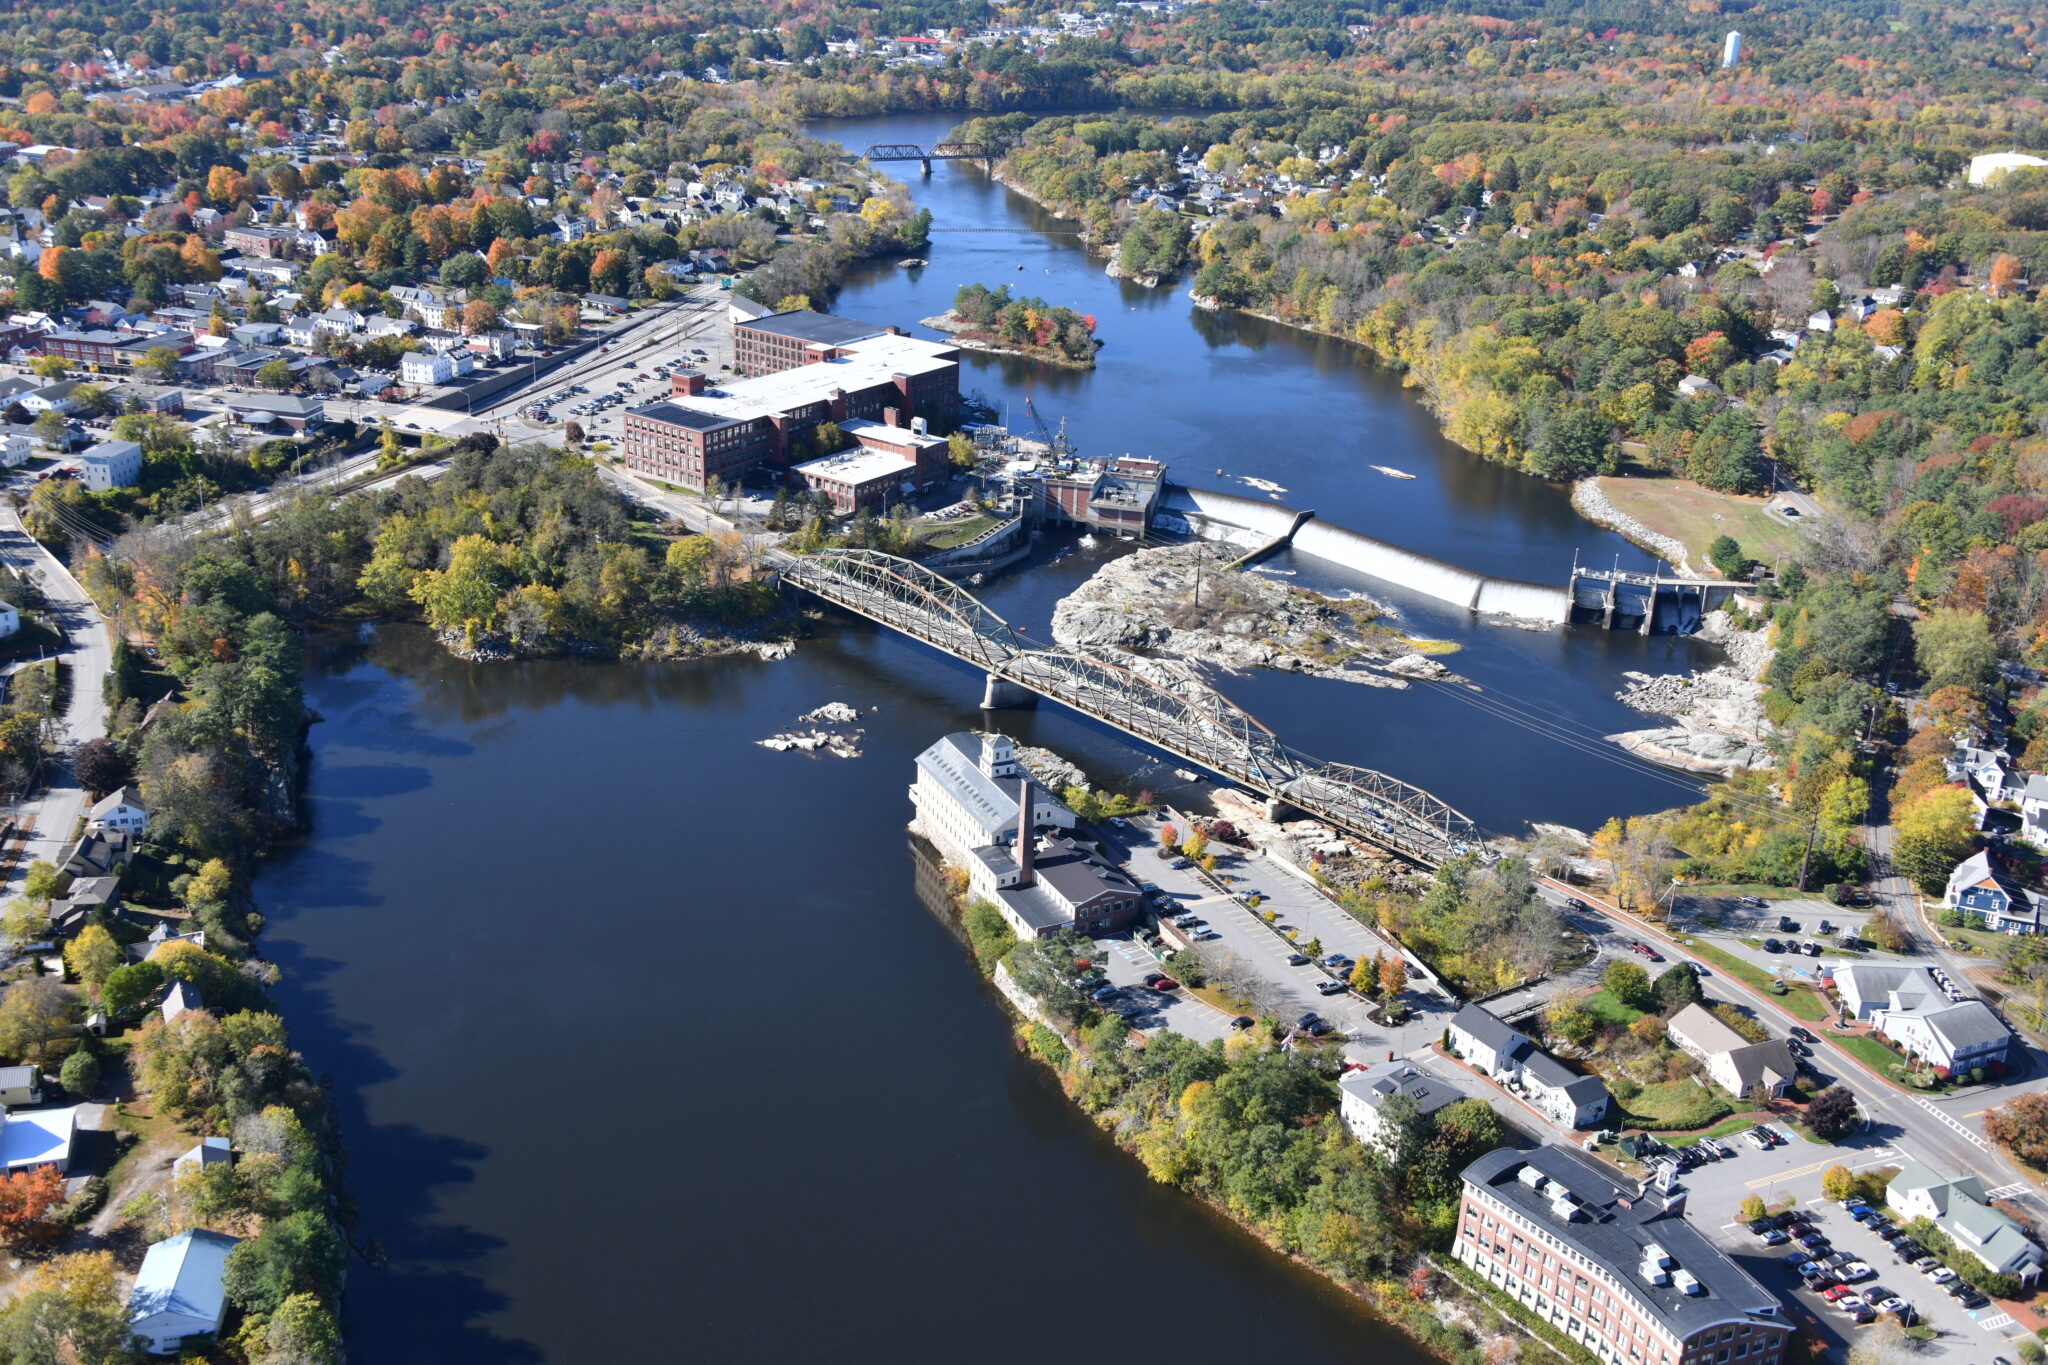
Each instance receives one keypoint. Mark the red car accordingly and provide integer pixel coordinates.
(1166, 983)
(1840, 1291)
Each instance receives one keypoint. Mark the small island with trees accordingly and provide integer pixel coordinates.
(987, 319)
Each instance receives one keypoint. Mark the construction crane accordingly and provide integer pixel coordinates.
(1057, 445)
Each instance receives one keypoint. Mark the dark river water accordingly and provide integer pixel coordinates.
(645, 1045)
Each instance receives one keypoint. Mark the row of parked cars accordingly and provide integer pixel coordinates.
(1910, 1253)
(1948, 986)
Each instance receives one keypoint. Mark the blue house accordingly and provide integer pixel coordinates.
(1981, 892)
(178, 1291)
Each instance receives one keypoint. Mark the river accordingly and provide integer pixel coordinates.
(645, 1046)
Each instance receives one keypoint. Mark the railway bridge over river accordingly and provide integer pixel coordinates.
(1163, 705)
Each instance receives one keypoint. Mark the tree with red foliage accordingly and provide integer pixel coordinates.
(2021, 1126)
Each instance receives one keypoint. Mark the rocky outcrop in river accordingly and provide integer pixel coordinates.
(1148, 604)
(1719, 711)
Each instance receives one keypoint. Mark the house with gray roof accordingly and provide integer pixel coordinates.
(1567, 1098)
(178, 1293)
(1983, 892)
(1362, 1094)
(1743, 1068)
(1962, 1209)
(1615, 1266)
(1952, 1036)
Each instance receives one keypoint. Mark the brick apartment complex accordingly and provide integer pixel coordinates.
(786, 341)
(694, 437)
(1621, 1273)
(260, 241)
(873, 471)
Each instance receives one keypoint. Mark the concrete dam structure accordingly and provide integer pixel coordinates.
(1262, 527)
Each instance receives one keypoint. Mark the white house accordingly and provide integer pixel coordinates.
(10, 620)
(178, 1292)
(32, 1138)
(1957, 1036)
(1739, 1066)
(111, 464)
(420, 368)
(1867, 987)
(1961, 1209)
(1566, 1098)
(1361, 1094)
(15, 449)
(121, 809)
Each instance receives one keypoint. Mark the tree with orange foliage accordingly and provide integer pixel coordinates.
(26, 1198)
(1956, 713)
(479, 315)
(2005, 274)
(1886, 327)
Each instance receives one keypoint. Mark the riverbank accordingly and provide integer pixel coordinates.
(1146, 1091)
(1720, 724)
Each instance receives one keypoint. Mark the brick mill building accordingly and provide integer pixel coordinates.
(1622, 1273)
(789, 341)
(702, 433)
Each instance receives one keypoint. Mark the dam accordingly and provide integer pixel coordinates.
(1260, 527)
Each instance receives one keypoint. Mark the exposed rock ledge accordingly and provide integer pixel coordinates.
(1591, 502)
(1719, 712)
(1144, 603)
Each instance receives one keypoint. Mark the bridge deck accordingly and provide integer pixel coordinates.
(1162, 707)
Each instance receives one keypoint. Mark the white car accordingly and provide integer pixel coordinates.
(1854, 1271)
(1849, 1303)
(1941, 1274)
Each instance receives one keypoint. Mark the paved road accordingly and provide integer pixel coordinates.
(1946, 1132)
(88, 649)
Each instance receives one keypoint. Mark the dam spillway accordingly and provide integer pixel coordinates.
(1255, 524)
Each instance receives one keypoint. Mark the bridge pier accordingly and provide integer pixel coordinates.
(1001, 693)
(925, 165)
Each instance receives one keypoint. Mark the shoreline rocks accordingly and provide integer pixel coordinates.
(1721, 725)
(1144, 605)
(1590, 501)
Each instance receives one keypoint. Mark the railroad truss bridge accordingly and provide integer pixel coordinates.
(1165, 706)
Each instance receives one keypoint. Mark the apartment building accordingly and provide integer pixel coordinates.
(1617, 1269)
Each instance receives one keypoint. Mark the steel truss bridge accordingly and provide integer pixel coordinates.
(1164, 706)
(987, 153)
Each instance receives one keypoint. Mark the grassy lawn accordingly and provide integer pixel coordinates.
(958, 533)
(1725, 1128)
(1797, 1000)
(1695, 516)
(1604, 1006)
(1867, 1049)
(1979, 941)
(1676, 1104)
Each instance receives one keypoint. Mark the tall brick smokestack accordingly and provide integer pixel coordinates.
(1027, 839)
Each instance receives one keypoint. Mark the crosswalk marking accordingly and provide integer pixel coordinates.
(1996, 1322)
(2018, 1187)
(1953, 1122)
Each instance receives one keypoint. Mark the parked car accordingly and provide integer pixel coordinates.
(1974, 1300)
(1772, 945)
(1297, 959)
(1242, 1022)
(1574, 903)
(1837, 1294)
(1166, 983)
(1882, 1299)
(1858, 1270)
(1753, 902)
(1152, 977)
(1331, 987)
(1104, 993)
(1941, 1274)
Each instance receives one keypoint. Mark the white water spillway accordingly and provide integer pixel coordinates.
(1259, 524)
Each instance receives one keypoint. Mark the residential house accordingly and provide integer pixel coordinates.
(1962, 1209)
(111, 464)
(1362, 1094)
(121, 809)
(182, 998)
(1953, 1036)
(339, 321)
(86, 896)
(20, 1086)
(58, 397)
(421, 368)
(1616, 1267)
(10, 620)
(98, 853)
(1986, 894)
(302, 330)
(213, 1151)
(1562, 1095)
(1867, 987)
(1745, 1069)
(34, 1138)
(178, 1293)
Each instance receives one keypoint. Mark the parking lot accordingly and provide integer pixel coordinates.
(1789, 1175)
